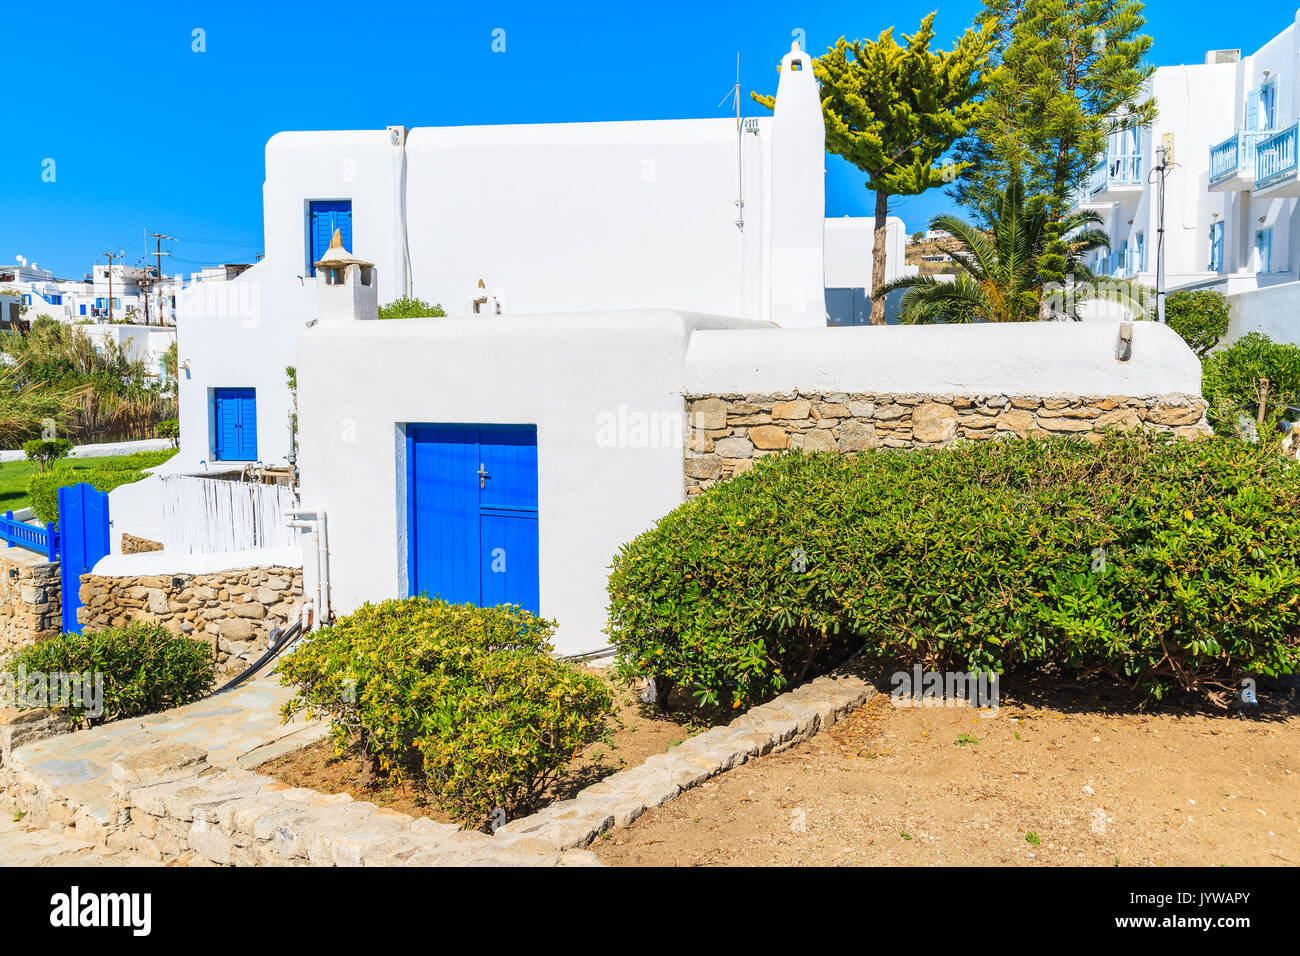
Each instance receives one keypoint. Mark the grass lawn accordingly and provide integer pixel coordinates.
(14, 475)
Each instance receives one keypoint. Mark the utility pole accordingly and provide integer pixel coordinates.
(110, 285)
(1161, 172)
(158, 253)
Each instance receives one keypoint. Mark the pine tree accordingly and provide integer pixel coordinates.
(895, 111)
(1069, 73)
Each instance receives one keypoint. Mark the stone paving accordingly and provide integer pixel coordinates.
(237, 729)
(178, 788)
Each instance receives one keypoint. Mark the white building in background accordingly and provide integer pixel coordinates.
(1231, 219)
(100, 296)
(700, 216)
(849, 264)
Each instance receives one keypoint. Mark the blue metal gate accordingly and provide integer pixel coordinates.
(472, 514)
(83, 540)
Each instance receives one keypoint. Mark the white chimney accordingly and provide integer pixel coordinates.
(347, 288)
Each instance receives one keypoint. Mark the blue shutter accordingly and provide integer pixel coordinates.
(326, 215)
(234, 424)
(1252, 110)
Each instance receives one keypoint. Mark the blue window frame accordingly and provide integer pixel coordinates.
(323, 217)
(1264, 246)
(234, 424)
(1216, 247)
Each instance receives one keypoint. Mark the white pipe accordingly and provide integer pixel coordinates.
(313, 520)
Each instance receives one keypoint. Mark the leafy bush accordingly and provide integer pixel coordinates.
(405, 308)
(46, 451)
(1230, 381)
(1200, 316)
(170, 428)
(145, 667)
(43, 487)
(1166, 563)
(467, 701)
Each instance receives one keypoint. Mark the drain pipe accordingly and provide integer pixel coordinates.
(308, 519)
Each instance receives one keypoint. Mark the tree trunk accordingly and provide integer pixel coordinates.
(878, 259)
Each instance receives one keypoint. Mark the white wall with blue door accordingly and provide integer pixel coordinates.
(604, 394)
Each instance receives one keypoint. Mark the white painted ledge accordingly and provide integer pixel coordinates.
(1021, 358)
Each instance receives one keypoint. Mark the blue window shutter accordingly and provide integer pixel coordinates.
(234, 423)
(1252, 110)
(326, 215)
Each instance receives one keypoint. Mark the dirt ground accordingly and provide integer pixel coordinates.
(636, 733)
(1071, 775)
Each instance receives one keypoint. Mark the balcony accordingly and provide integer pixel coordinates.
(1117, 175)
(1123, 263)
(1232, 162)
(1275, 165)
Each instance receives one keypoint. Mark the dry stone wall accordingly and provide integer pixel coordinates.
(234, 611)
(728, 432)
(30, 606)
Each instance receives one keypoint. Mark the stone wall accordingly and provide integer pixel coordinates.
(235, 611)
(131, 544)
(30, 606)
(727, 432)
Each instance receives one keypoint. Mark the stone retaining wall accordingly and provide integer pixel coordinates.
(30, 604)
(235, 611)
(727, 432)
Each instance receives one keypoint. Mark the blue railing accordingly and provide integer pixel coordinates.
(1275, 157)
(1236, 154)
(32, 537)
(1115, 170)
(1121, 263)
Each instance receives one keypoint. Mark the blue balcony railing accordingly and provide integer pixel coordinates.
(1275, 158)
(1236, 154)
(1122, 263)
(1115, 170)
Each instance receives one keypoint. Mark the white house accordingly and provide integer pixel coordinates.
(848, 267)
(703, 216)
(505, 458)
(1230, 216)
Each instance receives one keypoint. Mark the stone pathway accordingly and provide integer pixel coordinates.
(238, 729)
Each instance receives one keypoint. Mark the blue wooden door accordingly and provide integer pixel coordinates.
(83, 540)
(472, 514)
(234, 417)
(324, 216)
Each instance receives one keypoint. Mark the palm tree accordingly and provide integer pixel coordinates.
(999, 281)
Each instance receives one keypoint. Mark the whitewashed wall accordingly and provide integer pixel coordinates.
(553, 218)
(566, 375)
(571, 373)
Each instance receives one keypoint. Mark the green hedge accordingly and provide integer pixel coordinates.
(145, 667)
(1167, 563)
(463, 700)
(43, 487)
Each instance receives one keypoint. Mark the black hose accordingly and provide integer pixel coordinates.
(281, 637)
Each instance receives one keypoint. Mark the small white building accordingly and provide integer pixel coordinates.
(1231, 220)
(849, 263)
(703, 216)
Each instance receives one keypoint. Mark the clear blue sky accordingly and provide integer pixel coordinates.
(147, 134)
